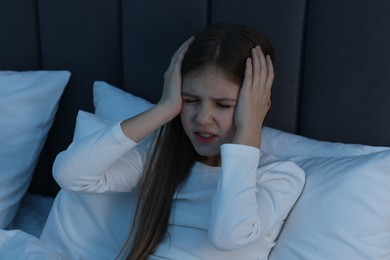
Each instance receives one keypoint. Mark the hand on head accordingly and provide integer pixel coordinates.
(254, 98)
(171, 97)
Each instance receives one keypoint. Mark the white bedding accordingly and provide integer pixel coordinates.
(22, 241)
(17, 244)
(32, 214)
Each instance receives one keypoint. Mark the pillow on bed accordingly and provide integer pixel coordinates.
(16, 244)
(115, 104)
(285, 144)
(344, 210)
(88, 226)
(28, 103)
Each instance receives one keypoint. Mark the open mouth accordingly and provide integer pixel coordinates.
(205, 138)
(205, 135)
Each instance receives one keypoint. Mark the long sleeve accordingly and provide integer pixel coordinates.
(251, 202)
(104, 161)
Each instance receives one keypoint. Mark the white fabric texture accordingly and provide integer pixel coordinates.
(32, 214)
(343, 212)
(18, 245)
(265, 196)
(88, 226)
(287, 145)
(28, 103)
(114, 104)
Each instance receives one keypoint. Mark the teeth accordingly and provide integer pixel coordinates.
(205, 135)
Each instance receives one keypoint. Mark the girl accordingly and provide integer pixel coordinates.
(205, 189)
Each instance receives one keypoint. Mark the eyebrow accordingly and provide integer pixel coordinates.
(213, 98)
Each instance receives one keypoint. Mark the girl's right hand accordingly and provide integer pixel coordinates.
(171, 98)
(138, 127)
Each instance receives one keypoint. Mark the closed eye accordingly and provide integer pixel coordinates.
(189, 100)
(224, 106)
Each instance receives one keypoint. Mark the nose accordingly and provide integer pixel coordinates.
(203, 115)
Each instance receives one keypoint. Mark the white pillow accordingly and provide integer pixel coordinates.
(114, 104)
(88, 226)
(287, 145)
(28, 103)
(32, 213)
(343, 211)
(88, 123)
(16, 244)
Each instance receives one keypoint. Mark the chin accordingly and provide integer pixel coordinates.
(204, 153)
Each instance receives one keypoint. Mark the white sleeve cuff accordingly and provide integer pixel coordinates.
(240, 150)
(120, 137)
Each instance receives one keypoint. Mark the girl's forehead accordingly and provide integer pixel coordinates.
(210, 82)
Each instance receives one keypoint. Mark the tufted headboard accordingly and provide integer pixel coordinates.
(332, 58)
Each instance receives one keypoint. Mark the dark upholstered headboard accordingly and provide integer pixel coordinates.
(332, 58)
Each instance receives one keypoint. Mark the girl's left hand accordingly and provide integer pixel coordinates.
(254, 99)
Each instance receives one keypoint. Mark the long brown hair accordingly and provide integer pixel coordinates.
(222, 46)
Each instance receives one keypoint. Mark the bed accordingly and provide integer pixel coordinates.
(330, 111)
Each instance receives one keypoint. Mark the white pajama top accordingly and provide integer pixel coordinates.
(235, 211)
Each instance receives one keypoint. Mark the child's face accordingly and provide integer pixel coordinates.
(209, 101)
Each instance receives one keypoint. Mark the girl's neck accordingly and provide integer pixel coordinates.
(214, 160)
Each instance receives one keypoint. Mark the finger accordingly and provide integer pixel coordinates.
(189, 41)
(256, 68)
(263, 65)
(248, 77)
(270, 70)
(179, 54)
(184, 46)
(176, 60)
